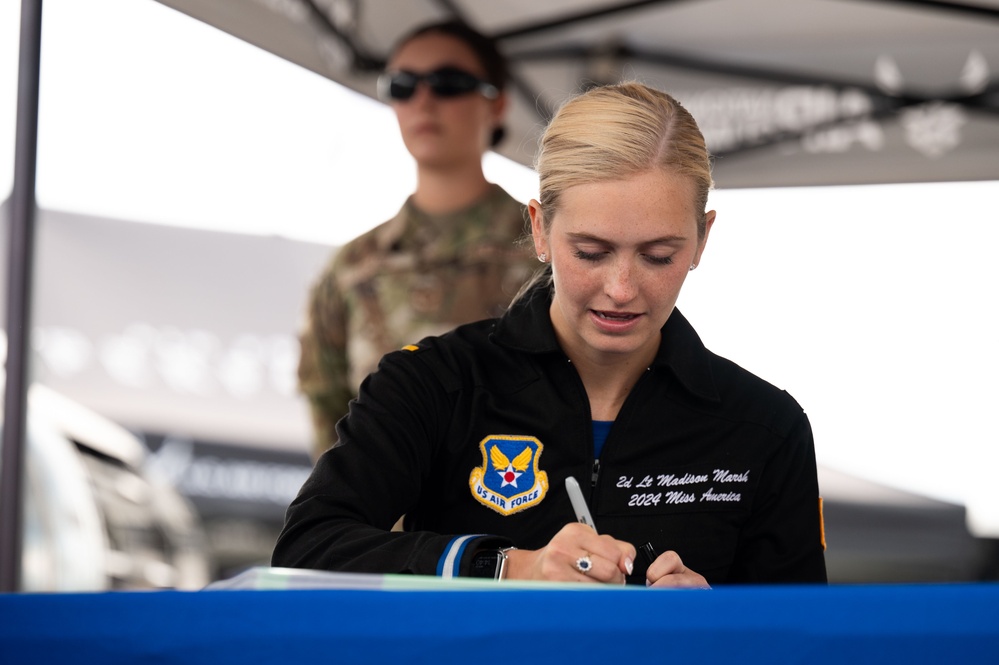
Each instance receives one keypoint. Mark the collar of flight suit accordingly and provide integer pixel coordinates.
(527, 327)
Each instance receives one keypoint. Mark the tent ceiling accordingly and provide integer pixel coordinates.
(788, 92)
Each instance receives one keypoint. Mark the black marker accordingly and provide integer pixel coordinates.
(649, 552)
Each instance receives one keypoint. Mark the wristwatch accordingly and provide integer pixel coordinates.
(490, 564)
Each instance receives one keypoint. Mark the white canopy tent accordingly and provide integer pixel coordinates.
(788, 92)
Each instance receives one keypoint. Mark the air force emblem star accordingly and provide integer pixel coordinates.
(509, 479)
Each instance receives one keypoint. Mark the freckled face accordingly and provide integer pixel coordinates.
(620, 251)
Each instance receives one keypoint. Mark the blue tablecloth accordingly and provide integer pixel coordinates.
(848, 624)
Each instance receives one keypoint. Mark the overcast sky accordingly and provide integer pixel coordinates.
(874, 306)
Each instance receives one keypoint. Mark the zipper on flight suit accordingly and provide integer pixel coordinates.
(595, 473)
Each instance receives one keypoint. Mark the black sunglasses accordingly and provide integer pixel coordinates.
(444, 82)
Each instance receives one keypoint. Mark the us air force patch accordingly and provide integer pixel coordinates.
(509, 479)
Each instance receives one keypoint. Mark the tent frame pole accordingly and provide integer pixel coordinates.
(20, 263)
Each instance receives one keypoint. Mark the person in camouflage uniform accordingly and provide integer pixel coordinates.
(450, 256)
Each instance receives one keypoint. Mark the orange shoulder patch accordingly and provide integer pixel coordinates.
(822, 526)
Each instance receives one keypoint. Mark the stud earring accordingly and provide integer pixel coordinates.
(543, 257)
(693, 265)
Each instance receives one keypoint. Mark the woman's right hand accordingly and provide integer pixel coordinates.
(567, 552)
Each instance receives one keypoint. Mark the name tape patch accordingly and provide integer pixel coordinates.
(709, 488)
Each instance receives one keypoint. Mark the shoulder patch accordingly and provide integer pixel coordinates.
(822, 526)
(509, 479)
(411, 347)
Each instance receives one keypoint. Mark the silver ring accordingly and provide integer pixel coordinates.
(584, 564)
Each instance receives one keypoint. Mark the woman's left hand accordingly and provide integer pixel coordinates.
(668, 571)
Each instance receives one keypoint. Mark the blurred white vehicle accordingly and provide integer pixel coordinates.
(94, 518)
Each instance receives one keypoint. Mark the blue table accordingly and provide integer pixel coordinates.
(847, 624)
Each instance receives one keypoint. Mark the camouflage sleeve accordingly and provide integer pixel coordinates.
(323, 375)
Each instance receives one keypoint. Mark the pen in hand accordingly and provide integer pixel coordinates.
(583, 516)
(579, 503)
